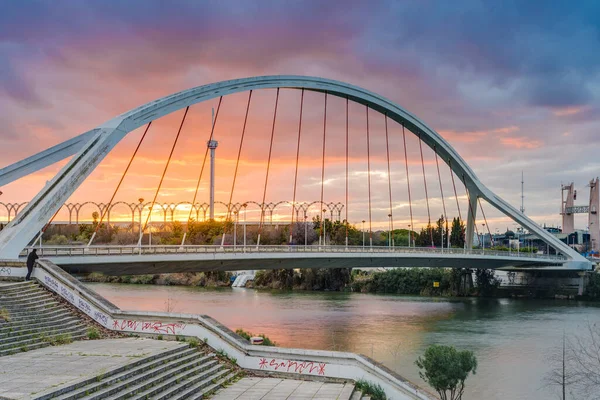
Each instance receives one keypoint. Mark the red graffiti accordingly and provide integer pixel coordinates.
(292, 366)
(151, 327)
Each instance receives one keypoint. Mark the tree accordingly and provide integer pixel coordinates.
(445, 369)
(576, 366)
(457, 233)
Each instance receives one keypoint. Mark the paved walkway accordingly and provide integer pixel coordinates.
(27, 375)
(280, 389)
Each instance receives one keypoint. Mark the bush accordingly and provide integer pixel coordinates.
(4, 314)
(57, 240)
(93, 333)
(592, 289)
(248, 335)
(371, 389)
(445, 369)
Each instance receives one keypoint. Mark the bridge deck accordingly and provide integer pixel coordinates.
(161, 259)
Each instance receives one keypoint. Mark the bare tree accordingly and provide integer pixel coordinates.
(577, 365)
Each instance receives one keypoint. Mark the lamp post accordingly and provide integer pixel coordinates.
(324, 227)
(305, 230)
(482, 237)
(244, 206)
(390, 231)
(363, 232)
(150, 226)
(235, 214)
(409, 235)
(141, 200)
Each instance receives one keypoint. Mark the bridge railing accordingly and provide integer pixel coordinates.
(61, 251)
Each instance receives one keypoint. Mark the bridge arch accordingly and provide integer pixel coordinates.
(94, 145)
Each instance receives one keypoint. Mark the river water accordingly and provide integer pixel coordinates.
(511, 338)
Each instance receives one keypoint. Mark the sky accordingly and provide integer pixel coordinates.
(513, 86)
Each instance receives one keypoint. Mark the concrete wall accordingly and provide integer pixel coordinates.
(295, 363)
(12, 270)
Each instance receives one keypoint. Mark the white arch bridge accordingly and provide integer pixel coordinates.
(90, 148)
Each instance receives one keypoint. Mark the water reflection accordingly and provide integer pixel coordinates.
(510, 337)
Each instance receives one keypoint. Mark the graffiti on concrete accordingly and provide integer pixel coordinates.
(5, 271)
(171, 328)
(298, 367)
(51, 283)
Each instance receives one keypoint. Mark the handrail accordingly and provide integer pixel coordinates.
(100, 250)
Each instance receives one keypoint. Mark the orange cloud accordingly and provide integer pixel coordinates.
(570, 110)
(475, 136)
(521, 142)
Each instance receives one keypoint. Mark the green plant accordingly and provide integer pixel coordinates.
(93, 333)
(193, 342)
(4, 314)
(63, 338)
(371, 389)
(159, 337)
(247, 335)
(445, 369)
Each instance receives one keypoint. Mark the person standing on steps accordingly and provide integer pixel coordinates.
(30, 261)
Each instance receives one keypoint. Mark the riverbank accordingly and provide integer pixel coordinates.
(438, 282)
(201, 279)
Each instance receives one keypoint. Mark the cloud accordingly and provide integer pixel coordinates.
(493, 79)
(520, 142)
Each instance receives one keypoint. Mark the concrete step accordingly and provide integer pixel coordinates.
(346, 392)
(35, 345)
(75, 333)
(356, 395)
(11, 330)
(208, 386)
(27, 301)
(43, 309)
(33, 307)
(15, 350)
(112, 383)
(179, 382)
(73, 391)
(57, 329)
(33, 298)
(21, 292)
(23, 319)
(7, 287)
(146, 381)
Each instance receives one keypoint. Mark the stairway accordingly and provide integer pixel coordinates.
(35, 319)
(180, 373)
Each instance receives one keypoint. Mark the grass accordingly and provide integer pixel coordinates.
(248, 335)
(63, 338)
(371, 389)
(194, 342)
(93, 333)
(4, 314)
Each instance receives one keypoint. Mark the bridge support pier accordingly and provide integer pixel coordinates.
(471, 216)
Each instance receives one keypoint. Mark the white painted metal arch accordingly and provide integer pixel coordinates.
(94, 145)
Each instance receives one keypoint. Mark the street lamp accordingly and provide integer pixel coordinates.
(150, 225)
(235, 213)
(363, 232)
(245, 205)
(305, 230)
(409, 235)
(324, 226)
(141, 200)
(390, 231)
(482, 237)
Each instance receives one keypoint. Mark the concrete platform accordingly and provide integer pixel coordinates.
(30, 374)
(277, 389)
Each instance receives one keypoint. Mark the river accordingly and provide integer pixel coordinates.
(512, 338)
